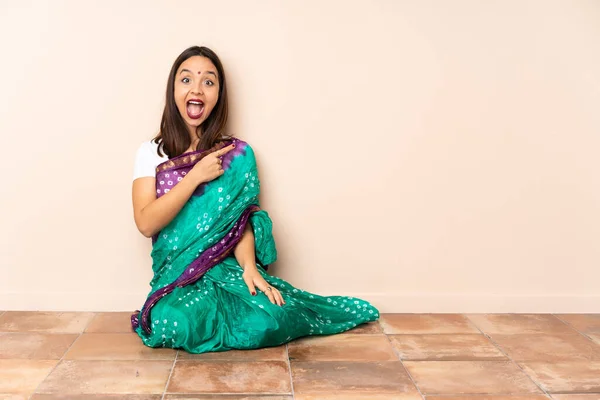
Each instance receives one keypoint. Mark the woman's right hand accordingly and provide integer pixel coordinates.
(210, 167)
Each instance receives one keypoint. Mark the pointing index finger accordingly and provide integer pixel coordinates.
(224, 150)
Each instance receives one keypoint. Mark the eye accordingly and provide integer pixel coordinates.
(185, 80)
(209, 82)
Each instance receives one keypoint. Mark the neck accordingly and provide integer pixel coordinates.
(194, 137)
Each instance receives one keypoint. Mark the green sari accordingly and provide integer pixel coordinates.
(198, 300)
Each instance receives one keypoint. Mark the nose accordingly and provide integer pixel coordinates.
(198, 87)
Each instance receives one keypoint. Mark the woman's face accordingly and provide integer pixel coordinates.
(196, 90)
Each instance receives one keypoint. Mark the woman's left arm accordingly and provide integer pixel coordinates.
(246, 257)
(244, 250)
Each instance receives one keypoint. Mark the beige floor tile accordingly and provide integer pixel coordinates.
(97, 397)
(265, 354)
(445, 347)
(368, 328)
(538, 347)
(508, 324)
(491, 397)
(259, 377)
(575, 377)
(224, 397)
(351, 378)
(342, 347)
(48, 322)
(426, 323)
(115, 346)
(111, 377)
(8, 396)
(358, 396)
(111, 322)
(586, 323)
(38, 346)
(470, 377)
(23, 376)
(589, 396)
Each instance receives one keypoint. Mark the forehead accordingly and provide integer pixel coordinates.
(197, 64)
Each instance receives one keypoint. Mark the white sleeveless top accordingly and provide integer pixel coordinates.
(146, 160)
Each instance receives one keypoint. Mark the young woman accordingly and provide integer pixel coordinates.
(195, 193)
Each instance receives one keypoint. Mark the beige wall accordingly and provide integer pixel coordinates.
(429, 156)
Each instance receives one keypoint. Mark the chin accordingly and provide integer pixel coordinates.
(195, 122)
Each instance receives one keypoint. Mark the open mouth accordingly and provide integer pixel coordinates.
(195, 108)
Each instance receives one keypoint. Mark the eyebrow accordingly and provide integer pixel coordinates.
(199, 72)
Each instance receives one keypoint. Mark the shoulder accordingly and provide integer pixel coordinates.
(243, 146)
(147, 159)
(245, 152)
(148, 146)
(149, 149)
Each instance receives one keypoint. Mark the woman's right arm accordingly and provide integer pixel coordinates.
(152, 214)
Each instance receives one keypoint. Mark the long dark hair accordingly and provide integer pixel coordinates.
(173, 133)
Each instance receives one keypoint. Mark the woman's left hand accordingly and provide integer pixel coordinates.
(254, 280)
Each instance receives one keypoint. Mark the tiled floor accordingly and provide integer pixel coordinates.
(51, 356)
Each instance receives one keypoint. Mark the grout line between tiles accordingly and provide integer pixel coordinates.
(289, 363)
(404, 366)
(509, 358)
(572, 327)
(170, 374)
(575, 393)
(485, 395)
(63, 356)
